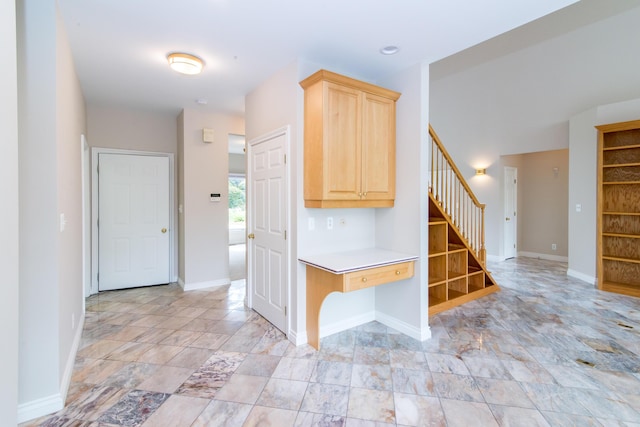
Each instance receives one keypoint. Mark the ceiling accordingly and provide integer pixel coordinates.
(120, 46)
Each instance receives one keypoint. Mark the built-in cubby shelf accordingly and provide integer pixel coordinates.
(619, 208)
(455, 275)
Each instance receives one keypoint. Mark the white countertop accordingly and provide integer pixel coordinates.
(361, 259)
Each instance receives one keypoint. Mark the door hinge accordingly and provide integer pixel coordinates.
(285, 159)
(285, 234)
(515, 181)
(285, 310)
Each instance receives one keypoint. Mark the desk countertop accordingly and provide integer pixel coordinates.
(361, 259)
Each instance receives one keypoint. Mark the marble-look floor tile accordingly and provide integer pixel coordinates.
(207, 380)
(242, 388)
(372, 405)
(309, 419)
(261, 416)
(223, 414)
(177, 411)
(159, 354)
(285, 394)
(503, 392)
(481, 367)
(326, 399)
(181, 338)
(411, 381)
(412, 410)
(456, 387)
(464, 414)
(371, 355)
(166, 379)
(375, 377)
(518, 417)
(210, 341)
(332, 372)
(134, 408)
(446, 364)
(131, 375)
(191, 357)
(258, 364)
(558, 419)
(294, 369)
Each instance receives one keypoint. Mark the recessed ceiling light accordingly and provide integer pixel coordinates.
(389, 50)
(185, 63)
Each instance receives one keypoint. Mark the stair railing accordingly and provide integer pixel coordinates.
(450, 190)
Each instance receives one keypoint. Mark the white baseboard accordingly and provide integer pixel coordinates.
(203, 285)
(581, 276)
(298, 339)
(494, 258)
(544, 256)
(405, 328)
(48, 405)
(40, 407)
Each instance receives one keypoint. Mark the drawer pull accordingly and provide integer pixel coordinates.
(397, 272)
(364, 279)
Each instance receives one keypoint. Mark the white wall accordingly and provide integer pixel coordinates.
(583, 163)
(9, 214)
(404, 228)
(52, 118)
(204, 169)
(522, 102)
(70, 125)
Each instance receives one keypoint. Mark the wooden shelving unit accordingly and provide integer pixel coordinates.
(619, 208)
(455, 275)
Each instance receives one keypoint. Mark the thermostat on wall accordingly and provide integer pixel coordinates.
(215, 197)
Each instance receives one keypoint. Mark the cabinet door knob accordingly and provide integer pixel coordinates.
(397, 272)
(364, 279)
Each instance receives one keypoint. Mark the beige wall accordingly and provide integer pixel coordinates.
(203, 225)
(9, 214)
(52, 118)
(128, 129)
(543, 201)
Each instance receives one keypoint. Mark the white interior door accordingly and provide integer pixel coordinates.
(267, 219)
(510, 211)
(133, 221)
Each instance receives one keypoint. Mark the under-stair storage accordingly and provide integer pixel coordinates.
(457, 267)
(456, 276)
(619, 208)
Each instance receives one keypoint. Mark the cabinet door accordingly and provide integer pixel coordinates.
(342, 134)
(378, 148)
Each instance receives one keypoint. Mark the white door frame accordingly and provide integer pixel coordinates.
(95, 152)
(286, 132)
(85, 156)
(514, 218)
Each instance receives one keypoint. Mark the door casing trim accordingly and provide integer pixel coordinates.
(95, 152)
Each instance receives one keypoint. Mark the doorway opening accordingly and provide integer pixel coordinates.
(237, 208)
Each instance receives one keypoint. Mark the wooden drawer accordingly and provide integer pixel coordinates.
(377, 276)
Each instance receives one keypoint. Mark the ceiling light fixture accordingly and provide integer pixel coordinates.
(185, 63)
(389, 50)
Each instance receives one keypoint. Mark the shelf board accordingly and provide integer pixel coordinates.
(454, 275)
(621, 259)
(621, 182)
(621, 288)
(474, 271)
(435, 281)
(437, 254)
(454, 249)
(622, 147)
(622, 213)
(435, 301)
(437, 221)
(621, 165)
(625, 235)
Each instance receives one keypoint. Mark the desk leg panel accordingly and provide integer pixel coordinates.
(320, 283)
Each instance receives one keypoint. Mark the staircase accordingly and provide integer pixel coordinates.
(457, 256)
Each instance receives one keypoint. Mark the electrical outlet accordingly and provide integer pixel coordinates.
(73, 320)
(343, 222)
(330, 223)
(554, 247)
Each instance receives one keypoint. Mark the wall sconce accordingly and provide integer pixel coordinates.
(481, 171)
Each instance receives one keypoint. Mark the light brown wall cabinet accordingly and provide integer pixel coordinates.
(619, 208)
(349, 142)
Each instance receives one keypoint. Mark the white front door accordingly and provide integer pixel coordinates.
(267, 220)
(133, 221)
(510, 211)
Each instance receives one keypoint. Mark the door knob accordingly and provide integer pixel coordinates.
(251, 236)
(164, 230)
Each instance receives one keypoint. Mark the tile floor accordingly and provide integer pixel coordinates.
(547, 350)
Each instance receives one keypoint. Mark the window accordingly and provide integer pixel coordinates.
(237, 201)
